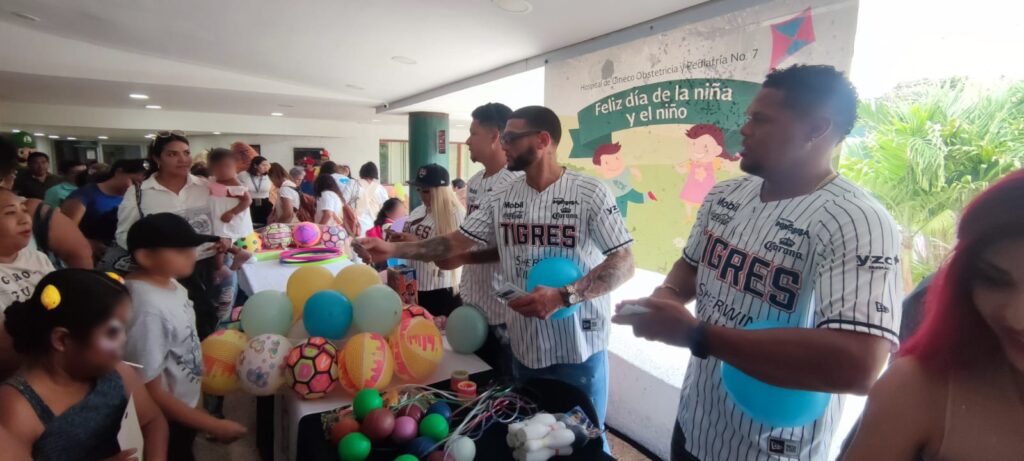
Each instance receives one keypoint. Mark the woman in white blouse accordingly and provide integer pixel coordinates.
(171, 188)
(256, 180)
(288, 200)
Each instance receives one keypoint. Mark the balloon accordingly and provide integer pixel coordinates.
(277, 235)
(220, 353)
(306, 234)
(768, 404)
(313, 368)
(328, 314)
(268, 311)
(377, 309)
(467, 329)
(366, 362)
(366, 401)
(261, 367)
(418, 348)
(303, 283)
(354, 447)
(352, 280)
(556, 273)
(434, 426)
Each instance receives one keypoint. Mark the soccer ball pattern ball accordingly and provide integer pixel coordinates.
(251, 242)
(313, 368)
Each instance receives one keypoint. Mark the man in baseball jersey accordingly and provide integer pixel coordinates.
(548, 212)
(476, 288)
(791, 243)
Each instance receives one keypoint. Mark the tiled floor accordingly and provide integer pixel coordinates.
(242, 408)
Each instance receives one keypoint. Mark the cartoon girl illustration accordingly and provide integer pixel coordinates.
(707, 146)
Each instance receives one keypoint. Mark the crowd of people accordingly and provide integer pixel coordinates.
(160, 235)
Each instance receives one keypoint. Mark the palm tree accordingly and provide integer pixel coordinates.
(928, 147)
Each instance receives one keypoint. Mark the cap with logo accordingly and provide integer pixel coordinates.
(432, 175)
(23, 140)
(165, 230)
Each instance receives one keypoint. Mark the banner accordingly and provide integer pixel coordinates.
(659, 118)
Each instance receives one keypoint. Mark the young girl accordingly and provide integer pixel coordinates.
(288, 199)
(67, 401)
(229, 203)
(440, 214)
(328, 201)
(392, 209)
(707, 146)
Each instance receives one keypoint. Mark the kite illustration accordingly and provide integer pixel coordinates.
(791, 35)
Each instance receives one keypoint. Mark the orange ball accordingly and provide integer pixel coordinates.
(366, 362)
(343, 427)
(418, 348)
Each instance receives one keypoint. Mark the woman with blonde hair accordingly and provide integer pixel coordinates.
(441, 213)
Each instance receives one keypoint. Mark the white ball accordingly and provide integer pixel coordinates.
(462, 448)
(261, 367)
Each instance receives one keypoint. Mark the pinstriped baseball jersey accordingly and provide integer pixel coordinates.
(828, 259)
(429, 277)
(574, 218)
(475, 287)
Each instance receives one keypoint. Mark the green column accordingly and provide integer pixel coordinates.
(428, 143)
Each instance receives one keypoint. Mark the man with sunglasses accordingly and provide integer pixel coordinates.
(549, 212)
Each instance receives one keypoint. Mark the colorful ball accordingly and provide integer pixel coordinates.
(303, 283)
(333, 237)
(277, 235)
(461, 448)
(413, 310)
(354, 447)
(352, 280)
(366, 362)
(234, 321)
(405, 430)
(306, 234)
(313, 368)
(343, 427)
(413, 411)
(440, 408)
(407, 457)
(418, 349)
(220, 354)
(420, 447)
(269, 311)
(366, 401)
(252, 242)
(377, 309)
(378, 424)
(434, 426)
(261, 367)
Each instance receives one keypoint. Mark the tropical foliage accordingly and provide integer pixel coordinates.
(925, 149)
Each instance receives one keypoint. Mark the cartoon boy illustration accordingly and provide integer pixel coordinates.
(707, 146)
(612, 168)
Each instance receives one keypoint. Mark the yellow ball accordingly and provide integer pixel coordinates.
(418, 348)
(366, 362)
(303, 283)
(220, 356)
(352, 280)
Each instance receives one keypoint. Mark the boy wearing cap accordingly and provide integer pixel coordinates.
(162, 334)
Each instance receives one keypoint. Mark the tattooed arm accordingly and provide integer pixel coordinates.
(431, 249)
(489, 255)
(615, 270)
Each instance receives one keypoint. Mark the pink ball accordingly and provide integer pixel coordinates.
(405, 430)
(306, 234)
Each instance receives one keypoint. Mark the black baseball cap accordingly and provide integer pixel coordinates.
(432, 175)
(165, 230)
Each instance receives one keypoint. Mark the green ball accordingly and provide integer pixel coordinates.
(407, 458)
(354, 447)
(366, 401)
(434, 426)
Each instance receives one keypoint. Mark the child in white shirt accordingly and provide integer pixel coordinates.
(229, 204)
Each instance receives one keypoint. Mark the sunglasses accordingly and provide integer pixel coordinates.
(510, 137)
(167, 134)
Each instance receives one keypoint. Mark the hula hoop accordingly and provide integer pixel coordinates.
(311, 256)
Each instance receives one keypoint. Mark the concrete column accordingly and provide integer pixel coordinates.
(428, 143)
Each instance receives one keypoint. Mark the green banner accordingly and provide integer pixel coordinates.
(721, 102)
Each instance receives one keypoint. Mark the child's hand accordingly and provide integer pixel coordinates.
(227, 431)
(227, 217)
(127, 455)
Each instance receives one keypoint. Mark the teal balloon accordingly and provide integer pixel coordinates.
(466, 329)
(328, 314)
(377, 309)
(772, 405)
(555, 273)
(267, 312)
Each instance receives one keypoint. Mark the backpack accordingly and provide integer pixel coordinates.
(307, 207)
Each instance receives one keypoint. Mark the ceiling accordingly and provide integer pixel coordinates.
(326, 58)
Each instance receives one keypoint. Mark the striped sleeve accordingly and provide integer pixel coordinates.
(695, 241)
(479, 225)
(859, 279)
(605, 222)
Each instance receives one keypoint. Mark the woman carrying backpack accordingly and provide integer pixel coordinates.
(288, 196)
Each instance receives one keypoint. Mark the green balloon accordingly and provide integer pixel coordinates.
(354, 447)
(267, 312)
(434, 426)
(407, 457)
(466, 329)
(366, 401)
(377, 309)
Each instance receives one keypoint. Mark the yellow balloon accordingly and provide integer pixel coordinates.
(352, 280)
(303, 283)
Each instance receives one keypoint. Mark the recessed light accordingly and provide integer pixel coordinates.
(513, 6)
(153, 106)
(216, 132)
(72, 139)
(53, 136)
(102, 137)
(354, 87)
(138, 96)
(403, 59)
(276, 114)
(25, 16)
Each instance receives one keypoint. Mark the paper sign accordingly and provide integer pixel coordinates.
(130, 435)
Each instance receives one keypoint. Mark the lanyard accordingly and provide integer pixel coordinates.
(253, 181)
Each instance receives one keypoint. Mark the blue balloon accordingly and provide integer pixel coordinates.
(556, 273)
(773, 405)
(328, 314)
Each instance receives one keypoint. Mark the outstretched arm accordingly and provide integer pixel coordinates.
(616, 268)
(489, 255)
(432, 249)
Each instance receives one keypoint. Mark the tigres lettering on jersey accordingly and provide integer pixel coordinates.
(475, 287)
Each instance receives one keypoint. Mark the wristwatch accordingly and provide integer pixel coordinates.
(570, 296)
(698, 342)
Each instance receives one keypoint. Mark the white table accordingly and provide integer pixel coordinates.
(272, 275)
(289, 409)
